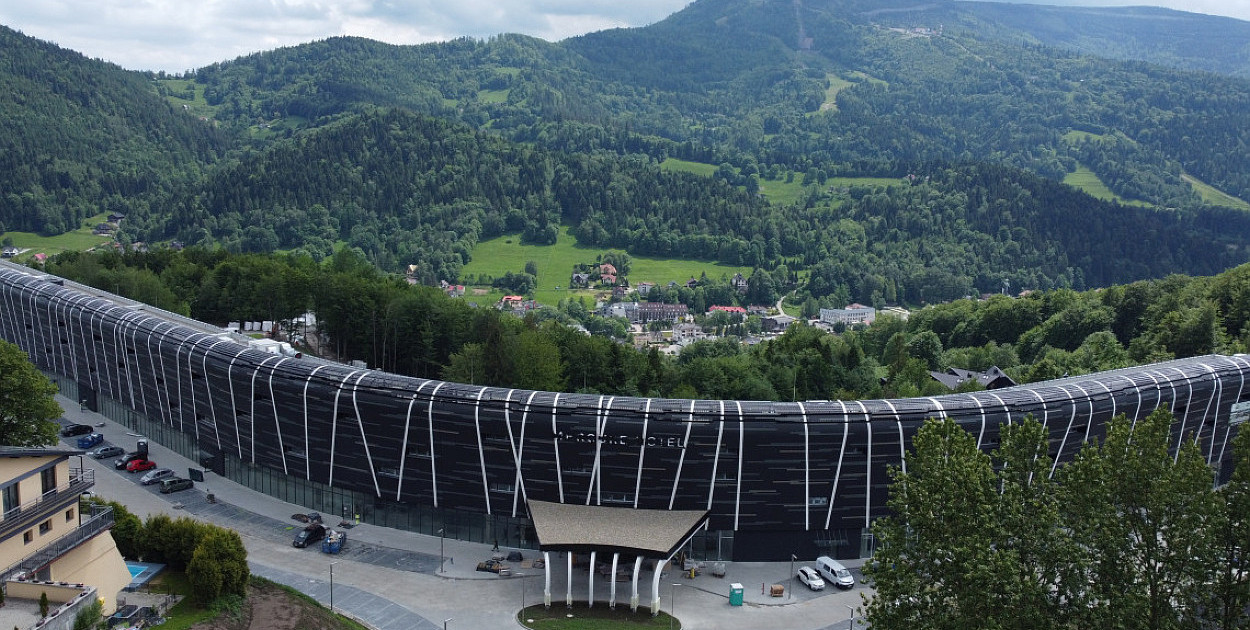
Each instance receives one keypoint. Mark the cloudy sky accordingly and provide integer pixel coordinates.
(177, 35)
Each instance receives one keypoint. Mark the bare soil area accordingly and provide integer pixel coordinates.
(269, 607)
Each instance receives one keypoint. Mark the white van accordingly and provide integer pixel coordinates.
(834, 573)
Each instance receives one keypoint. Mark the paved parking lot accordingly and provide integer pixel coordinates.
(391, 579)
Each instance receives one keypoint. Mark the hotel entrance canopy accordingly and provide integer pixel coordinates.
(585, 528)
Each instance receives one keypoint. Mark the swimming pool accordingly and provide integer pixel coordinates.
(141, 573)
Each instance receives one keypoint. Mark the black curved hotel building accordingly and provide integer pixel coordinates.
(770, 478)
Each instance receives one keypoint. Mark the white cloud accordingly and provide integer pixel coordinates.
(177, 35)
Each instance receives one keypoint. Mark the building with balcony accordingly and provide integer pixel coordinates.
(47, 543)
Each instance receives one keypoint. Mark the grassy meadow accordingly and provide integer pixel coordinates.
(498, 256)
(1213, 195)
(77, 240)
(1086, 180)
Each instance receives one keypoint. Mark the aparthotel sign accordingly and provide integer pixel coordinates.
(624, 441)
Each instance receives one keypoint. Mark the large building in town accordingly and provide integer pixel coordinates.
(773, 478)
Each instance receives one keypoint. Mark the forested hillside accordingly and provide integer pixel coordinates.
(81, 137)
(412, 154)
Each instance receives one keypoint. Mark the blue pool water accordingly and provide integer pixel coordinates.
(141, 573)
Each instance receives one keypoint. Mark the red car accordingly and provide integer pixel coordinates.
(140, 465)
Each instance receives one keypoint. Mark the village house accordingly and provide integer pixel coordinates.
(739, 283)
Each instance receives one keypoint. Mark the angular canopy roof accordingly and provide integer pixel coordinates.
(648, 533)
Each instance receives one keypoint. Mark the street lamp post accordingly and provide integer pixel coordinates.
(441, 538)
(791, 593)
(672, 614)
(332, 586)
(850, 622)
(445, 622)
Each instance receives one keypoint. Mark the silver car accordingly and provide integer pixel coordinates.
(107, 451)
(156, 476)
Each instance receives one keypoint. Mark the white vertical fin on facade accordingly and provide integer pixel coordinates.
(1228, 429)
(518, 456)
(1158, 399)
(234, 404)
(208, 392)
(364, 441)
(277, 426)
(642, 452)
(334, 422)
(902, 449)
(403, 445)
(807, 471)
(741, 451)
(481, 452)
(1217, 390)
(681, 459)
(555, 445)
(307, 448)
(1071, 419)
(433, 456)
(867, 464)
(720, 434)
(837, 474)
(252, 407)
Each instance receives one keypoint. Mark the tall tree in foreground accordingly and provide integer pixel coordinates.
(937, 562)
(27, 406)
(1227, 604)
(1146, 524)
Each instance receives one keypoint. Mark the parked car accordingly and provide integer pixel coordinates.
(156, 476)
(174, 484)
(140, 465)
(122, 463)
(310, 534)
(107, 451)
(76, 429)
(811, 578)
(90, 440)
(833, 572)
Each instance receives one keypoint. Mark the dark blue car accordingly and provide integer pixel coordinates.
(90, 440)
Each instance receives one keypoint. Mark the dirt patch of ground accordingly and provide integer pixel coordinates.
(269, 607)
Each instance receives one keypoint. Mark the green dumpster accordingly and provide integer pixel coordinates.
(735, 594)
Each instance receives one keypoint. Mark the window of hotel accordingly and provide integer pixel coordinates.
(48, 477)
(69, 515)
(29, 536)
(11, 499)
(45, 527)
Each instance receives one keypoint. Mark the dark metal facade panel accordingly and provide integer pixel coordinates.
(797, 471)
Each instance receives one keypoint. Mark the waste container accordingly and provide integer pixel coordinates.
(735, 594)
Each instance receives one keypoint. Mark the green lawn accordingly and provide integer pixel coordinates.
(1213, 195)
(1086, 180)
(597, 618)
(500, 255)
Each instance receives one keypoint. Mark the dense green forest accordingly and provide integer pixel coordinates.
(419, 331)
(413, 154)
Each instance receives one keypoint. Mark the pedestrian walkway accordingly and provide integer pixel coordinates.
(392, 579)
